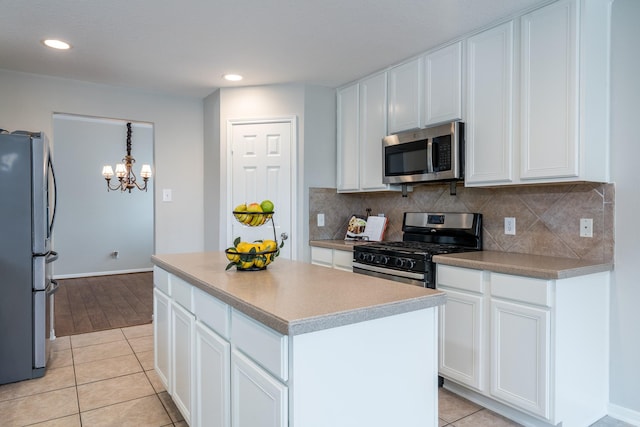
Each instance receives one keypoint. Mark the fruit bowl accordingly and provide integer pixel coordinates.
(252, 219)
(252, 256)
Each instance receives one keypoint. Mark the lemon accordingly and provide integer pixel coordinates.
(269, 245)
(245, 247)
(260, 261)
(232, 255)
(246, 264)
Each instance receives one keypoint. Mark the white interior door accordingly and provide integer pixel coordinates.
(261, 169)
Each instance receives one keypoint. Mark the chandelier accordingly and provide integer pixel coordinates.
(124, 172)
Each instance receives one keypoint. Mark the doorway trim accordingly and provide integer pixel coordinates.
(295, 233)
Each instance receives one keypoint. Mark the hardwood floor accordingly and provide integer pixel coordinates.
(91, 304)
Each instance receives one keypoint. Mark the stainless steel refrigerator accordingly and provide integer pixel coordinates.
(27, 214)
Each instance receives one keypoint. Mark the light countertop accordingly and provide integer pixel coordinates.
(537, 266)
(294, 297)
(341, 245)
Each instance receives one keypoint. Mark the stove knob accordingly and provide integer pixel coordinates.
(360, 256)
(399, 262)
(369, 257)
(410, 264)
(384, 260)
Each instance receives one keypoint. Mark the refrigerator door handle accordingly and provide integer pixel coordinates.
(53, 287)
(51, 256)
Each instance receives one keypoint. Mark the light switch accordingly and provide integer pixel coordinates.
(166, 195)
(320, 220)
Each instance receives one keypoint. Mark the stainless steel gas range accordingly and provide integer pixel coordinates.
(424, 234)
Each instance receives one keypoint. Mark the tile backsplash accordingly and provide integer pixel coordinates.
(547, 216)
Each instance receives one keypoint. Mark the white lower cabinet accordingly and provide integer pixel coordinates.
(520, 339)
(259, 400)
(182, 366)
(460, 337)
(333, 258)
(213, 386)
(162, 337)
(534, 350)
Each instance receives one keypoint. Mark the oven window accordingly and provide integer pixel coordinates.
(406, 159)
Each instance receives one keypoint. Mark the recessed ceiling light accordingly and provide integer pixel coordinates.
(56, 44)
(232, 77)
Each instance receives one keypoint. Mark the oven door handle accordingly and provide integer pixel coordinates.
(383, 270)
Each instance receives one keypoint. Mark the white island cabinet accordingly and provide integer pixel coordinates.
(532, 349)
(294, 345)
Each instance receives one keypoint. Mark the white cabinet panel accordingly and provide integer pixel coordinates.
(348, 139)
(443, 85)
(461, 349)
(259, 400)
(213, 378)
(212, 312)
(405, 96)
(549, 92)
(520, 342)
(182, 373)
(332, 258)
(162, 337)
(343, 260)
(373, 127)
(266, 346)
(489, 129)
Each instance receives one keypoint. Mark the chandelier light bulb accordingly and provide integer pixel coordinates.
(107, 171)
(121, 171)
(145, 172)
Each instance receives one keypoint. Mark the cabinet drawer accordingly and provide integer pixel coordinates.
(161, 280)
(460, 278)
(322, 256)
(182, 292)
(265, 346)
(518, 288)
(343, 259)
(212, 312)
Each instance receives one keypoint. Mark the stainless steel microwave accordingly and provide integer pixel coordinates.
(430, 154)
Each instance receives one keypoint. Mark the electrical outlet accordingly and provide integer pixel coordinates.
(320, 220)
(510, 226)
(586, 227)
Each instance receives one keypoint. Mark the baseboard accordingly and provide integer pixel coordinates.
(624, 414)
(102, 273)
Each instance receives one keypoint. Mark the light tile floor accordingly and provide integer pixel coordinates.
(97, 379)
(107, 379)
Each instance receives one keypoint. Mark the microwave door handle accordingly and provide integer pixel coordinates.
(430, 156)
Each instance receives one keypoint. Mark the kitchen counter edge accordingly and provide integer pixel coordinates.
(304, 324)
(536, 266)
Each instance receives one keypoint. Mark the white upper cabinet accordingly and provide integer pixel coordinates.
(405, 96)
(489, 131)
(362, 123)
(373, 127)
(348, 145)
(549, 89)
(554, 127)
(443, 85)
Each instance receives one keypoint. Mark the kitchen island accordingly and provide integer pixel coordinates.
(293, 345)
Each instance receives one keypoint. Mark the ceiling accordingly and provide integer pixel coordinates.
(184, 47)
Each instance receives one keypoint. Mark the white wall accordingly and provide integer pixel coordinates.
(91, 223)
(625, 295)
(28, 102)
(314, 108)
